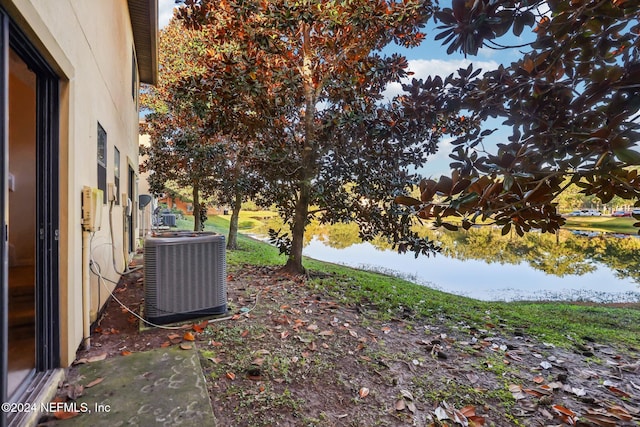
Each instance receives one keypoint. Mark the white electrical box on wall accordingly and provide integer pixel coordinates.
(91, 208)
(112, 191)
(128, 206)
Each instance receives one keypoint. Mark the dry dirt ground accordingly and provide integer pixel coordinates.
(289, 355)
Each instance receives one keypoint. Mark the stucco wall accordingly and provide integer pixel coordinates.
(89, 44)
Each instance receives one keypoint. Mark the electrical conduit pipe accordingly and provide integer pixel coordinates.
(86, 290)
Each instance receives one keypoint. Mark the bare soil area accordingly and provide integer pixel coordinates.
(290, 355)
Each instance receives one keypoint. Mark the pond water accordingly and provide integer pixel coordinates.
(486, 266)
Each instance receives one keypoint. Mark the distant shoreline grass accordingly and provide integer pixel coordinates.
(602, 223)
(254, 219)
(562, 324)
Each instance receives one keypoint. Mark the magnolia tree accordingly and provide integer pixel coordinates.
(572, 102)
(236, 182)
(331, 149)
(177, 153)
(203, 144)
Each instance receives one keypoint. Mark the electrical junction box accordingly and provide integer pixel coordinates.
(91, 208)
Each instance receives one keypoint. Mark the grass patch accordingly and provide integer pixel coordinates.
(387, 297)
(250, 220)
(602, 223)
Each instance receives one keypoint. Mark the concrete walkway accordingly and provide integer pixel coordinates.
(163, 387)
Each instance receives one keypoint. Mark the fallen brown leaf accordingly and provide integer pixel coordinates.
(97, 358)
(468, 411)
(619, 392)
(476, 420)
(513, 356)
(601, 420)
(563, 410)
(620, 413)
(515, 388)
(94, 382)
(536, 393)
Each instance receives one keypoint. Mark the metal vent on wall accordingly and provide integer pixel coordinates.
(184, 276)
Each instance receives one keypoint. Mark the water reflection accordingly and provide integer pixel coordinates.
(483, 264)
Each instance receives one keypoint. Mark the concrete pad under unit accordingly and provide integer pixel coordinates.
(163, 387)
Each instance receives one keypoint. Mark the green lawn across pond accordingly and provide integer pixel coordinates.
(602, 223)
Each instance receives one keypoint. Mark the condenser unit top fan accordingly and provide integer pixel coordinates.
(184, 276)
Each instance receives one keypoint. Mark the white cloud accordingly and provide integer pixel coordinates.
(438, 163)
(165, 11)
(432, 67)
(423, 68)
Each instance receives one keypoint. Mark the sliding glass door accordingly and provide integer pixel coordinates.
(29, 319)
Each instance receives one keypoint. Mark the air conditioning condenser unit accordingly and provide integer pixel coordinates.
(184, 276)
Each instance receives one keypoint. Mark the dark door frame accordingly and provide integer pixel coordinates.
(47, 202)
(133, 211)
(4, 256)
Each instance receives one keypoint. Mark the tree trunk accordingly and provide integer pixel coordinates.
(300, 217)
(196, 208)
(294, 262)
(232, 241)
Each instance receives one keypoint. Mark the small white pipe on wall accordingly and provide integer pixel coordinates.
(86, 290)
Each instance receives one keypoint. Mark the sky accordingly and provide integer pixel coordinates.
(430, 58)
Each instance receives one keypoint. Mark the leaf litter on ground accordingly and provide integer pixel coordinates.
(304, 354)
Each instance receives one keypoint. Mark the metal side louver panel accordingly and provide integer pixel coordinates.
(184, 276)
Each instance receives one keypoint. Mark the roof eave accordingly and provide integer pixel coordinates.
(144, 22)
